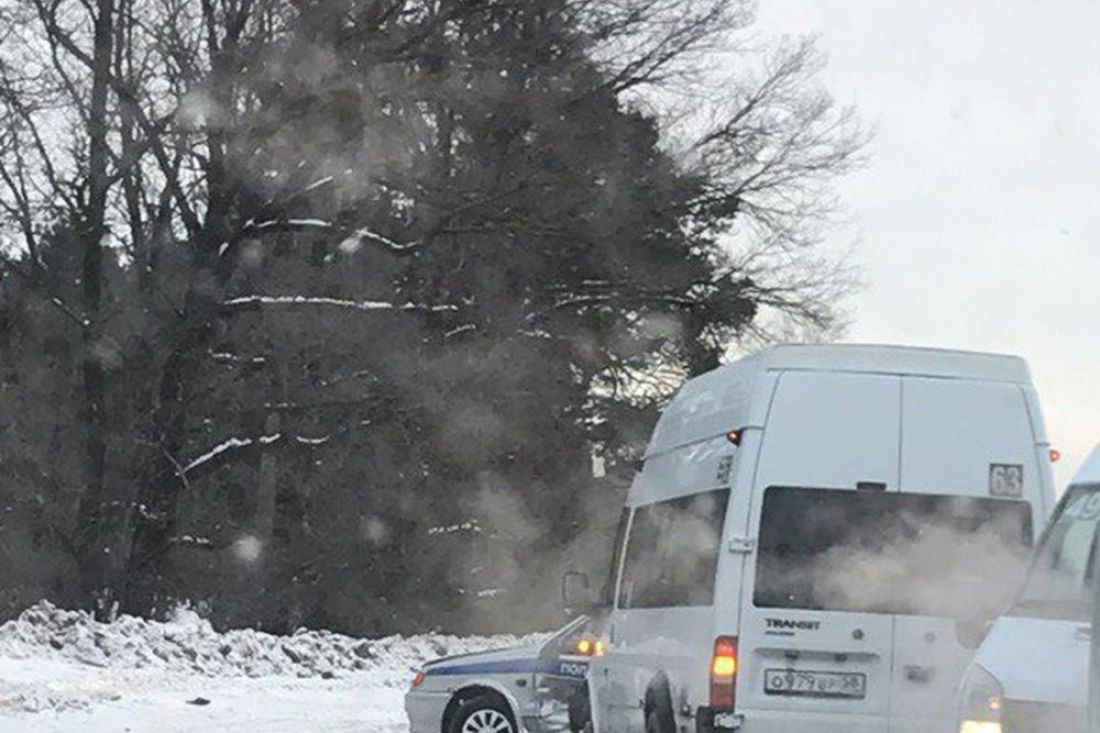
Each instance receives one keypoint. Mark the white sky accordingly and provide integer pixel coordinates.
(978, 218)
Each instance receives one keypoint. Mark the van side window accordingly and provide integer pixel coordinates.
(1058, 585)
(889, 552)
(672, 552)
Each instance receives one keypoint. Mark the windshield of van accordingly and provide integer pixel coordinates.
(885, 552)
(1058, 584)
(672, 552)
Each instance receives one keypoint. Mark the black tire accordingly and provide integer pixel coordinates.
(659, 720)
(484, 714)
(580, 711)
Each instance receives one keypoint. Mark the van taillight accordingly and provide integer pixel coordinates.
(723, 672)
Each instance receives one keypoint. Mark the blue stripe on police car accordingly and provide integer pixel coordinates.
(555, 667)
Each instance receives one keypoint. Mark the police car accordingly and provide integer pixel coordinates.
(539, 689)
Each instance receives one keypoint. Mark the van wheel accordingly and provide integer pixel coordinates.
(484, 714)
(580, 712)
(659, 720)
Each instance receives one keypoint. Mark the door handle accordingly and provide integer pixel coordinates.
(1083, 633)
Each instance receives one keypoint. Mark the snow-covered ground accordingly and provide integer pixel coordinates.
(63, 671)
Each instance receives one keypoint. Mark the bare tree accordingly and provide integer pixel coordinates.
(181, 141)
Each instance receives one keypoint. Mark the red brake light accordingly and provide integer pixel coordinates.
(723, 672)
(734, 436)
(1055, 455)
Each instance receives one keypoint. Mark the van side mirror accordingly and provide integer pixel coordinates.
(577, 593)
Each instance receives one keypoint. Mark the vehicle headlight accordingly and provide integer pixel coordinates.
(589, 646)
(982, 702)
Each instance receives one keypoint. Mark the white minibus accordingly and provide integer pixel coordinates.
(810, 529)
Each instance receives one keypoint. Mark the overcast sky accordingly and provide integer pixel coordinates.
(978, 218)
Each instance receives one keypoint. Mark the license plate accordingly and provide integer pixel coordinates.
(807, 683)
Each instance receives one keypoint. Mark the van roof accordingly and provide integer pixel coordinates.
(1089, 472)
(910, 360)
(712, 403)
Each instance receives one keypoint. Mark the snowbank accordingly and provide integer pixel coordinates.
(54, 660)
(189, 644)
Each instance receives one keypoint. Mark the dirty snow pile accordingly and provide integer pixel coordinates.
(56, 662)
(189, 644)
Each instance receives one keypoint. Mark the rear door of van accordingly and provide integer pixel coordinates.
(966, 439)
(807, 661)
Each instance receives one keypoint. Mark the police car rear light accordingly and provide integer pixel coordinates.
(723, 673)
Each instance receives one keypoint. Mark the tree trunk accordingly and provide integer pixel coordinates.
(97, 531)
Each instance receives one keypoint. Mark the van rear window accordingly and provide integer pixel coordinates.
(889, 552)
(672, 552)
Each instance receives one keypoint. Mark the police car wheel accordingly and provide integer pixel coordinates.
(483, 714)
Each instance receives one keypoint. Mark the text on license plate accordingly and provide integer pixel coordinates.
(815, 684)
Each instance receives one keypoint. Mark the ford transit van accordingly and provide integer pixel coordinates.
(808, 528)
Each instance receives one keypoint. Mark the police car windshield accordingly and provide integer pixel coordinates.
(1058, 582)
(889, 552)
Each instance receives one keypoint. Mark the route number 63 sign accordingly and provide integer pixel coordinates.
(1006, 479)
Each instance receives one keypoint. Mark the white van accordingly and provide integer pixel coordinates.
(1031, 672)
(806, 527)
